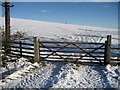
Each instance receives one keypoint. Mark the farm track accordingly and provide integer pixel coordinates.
(61, 75)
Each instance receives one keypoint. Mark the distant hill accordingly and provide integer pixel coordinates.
(63, 32)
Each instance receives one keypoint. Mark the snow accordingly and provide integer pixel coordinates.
(60, 75)
(67, 75)
(63, 32)
(23, 67)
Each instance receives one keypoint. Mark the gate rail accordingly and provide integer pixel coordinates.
(84, 52)
(72, 51)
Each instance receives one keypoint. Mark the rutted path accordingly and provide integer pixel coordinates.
(76, 77)
(60, 75)
(36, 80)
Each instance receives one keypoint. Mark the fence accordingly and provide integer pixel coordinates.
(21, 49)
(66, 51)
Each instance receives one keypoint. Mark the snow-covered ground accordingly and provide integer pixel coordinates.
(63, 32)
(61, 75)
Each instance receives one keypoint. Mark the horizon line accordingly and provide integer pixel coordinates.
(62, 23)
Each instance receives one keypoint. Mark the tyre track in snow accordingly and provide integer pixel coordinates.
(80, 77)
(37, 79)
(61, 75)
(103, 78)
(53, 79)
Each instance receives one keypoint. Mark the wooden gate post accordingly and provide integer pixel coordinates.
(36, 50)
(107, 56)
(20, 48)
(0, 46)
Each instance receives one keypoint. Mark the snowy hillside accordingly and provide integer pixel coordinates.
(63, 32)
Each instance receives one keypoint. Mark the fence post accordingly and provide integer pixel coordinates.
(20, 48)
(7, 47)
(0, 47)
(107, 56)
(36, 50)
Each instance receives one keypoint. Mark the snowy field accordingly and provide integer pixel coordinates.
(63, 32)
(60, 75)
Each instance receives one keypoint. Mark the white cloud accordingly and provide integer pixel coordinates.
(107, 6)
(63, 0)
(44, 11)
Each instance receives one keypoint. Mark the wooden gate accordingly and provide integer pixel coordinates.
(72, 52)
(66, 51)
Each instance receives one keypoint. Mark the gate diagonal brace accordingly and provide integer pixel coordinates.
(54, 52)
(88, 53)
(94, 51)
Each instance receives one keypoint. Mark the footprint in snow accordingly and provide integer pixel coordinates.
(72, 72)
